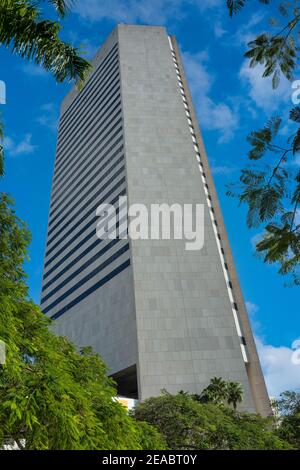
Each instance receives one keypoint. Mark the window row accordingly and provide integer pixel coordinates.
(80, 157)
(65, 250)
(74, 261)
(64, 165)
(80, 151)
(89, 276)
(81, 96)
(83, 122)
(75, 183)
(81, 268)
(73, 203)
(94, 154)
(91, 289)
(86, 114)
(88, 213)
(65, 223)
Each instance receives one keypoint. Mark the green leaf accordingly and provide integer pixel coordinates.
(296, 142)
(295, 114)
(275, 79)
(62, 6)
(26, 34)
(234, 6)
(262, 139)
(187, 423)
(283, 10)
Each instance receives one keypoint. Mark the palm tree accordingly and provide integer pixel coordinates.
(234, 393)
(26, 33)
(216, 392)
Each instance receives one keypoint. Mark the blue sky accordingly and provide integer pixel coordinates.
(230, 99)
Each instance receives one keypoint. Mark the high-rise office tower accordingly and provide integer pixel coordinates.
(160, 316)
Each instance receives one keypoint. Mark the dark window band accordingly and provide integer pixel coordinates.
(87, 166)
(85, 115)
(81, 268)
(76, 247)
(92, 289)
(72, 263)
(100, 100)
(102, 125)
(86, 123)
(85, 147)
(71, 230)
(89, 105)
(85, 194)
(99, 154)
(67, 115)
(76, 102)
(88, 277)
(82, 208)
(83, 157)
(76, 184)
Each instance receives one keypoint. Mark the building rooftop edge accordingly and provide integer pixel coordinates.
(74, 91)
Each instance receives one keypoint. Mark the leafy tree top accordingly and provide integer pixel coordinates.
(270, 183)
(25, 32)
(188, 424)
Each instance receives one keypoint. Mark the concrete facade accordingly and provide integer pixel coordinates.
(172, 318)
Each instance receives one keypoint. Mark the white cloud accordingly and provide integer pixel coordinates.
(297, 160)
(48, 107)
(48, 117)
(34, 70)
(219, 30)
(280, 370)
(223, 170)
(24, 147)
(260, 89)
(248, 31)
(129, 11)
(256, 239)
(207, 4)
(8, 143)
(87, 47)
(252, 308)
(132, 11)
(289, 128)
(214, 116)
